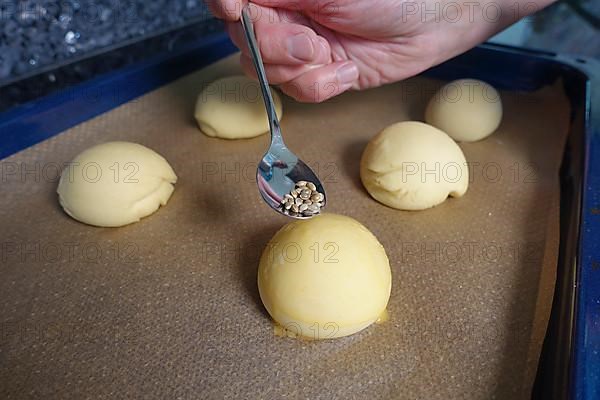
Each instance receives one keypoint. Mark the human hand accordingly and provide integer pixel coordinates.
(317, 49)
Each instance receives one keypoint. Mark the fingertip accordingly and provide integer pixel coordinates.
(323, 83)
(312, 93)
(290, 44)
(228, 10)
(347, 74)
(301, 47)
(324, 49)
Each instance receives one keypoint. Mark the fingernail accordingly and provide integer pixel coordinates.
(324, 45)
(301, 47)
(347, 73)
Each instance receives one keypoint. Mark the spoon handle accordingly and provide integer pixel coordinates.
(262, 76)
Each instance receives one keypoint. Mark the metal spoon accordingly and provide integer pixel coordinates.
(279, 169)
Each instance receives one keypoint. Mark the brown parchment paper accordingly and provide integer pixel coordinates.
(168, 308)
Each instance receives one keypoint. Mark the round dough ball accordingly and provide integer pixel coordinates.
(467, 110)
(413, 166)
(324, 277)
(115, 184)
(233, 108)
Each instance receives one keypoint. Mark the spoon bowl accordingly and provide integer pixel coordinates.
(277, 174)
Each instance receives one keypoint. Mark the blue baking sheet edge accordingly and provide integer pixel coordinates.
(33, 122)
(586, 356)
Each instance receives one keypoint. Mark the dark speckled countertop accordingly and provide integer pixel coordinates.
(61, 77)
(37, 34)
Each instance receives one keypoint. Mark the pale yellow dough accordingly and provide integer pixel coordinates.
(413, 166)
(324, 277)
(115, 183)
(233, 108)
(467, 110)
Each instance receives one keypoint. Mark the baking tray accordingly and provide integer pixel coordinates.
(570, 358)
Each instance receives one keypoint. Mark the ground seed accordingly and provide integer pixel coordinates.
(316, 197)
(305, 194)
(314, 208)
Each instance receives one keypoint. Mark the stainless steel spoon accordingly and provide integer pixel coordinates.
(279, 169)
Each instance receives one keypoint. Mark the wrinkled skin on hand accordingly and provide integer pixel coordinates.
(317, 49)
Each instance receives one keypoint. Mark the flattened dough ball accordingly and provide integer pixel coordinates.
(467, 109)
(413, 166)
(324, 277)
(115, 183)
(233, 108)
